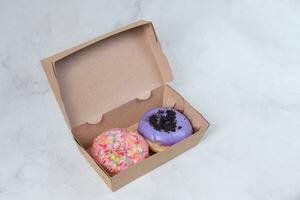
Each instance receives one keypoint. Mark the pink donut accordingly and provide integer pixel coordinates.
(118, 149)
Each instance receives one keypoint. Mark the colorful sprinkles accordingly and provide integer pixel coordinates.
(118, 149)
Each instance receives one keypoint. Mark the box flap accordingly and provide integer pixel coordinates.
(108, 71)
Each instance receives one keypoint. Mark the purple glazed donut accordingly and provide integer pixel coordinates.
(163, 127)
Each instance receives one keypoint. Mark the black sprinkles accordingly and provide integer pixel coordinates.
(164, 120)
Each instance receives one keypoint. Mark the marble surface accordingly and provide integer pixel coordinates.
(237, 61)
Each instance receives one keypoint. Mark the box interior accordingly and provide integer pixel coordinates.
(109, 72)
(128, 115)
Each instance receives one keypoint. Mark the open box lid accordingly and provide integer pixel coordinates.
(101, 74)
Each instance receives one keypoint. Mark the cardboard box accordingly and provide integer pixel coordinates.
(111, 81)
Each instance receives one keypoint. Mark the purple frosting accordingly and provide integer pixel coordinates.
(164, 125)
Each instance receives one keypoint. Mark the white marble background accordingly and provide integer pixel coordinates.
(237, 61)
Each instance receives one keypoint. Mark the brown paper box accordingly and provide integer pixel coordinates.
(111, 81)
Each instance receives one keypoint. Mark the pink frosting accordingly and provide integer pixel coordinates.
(118, 149)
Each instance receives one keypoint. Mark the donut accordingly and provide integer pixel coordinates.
(163, 127)
(118, 149)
